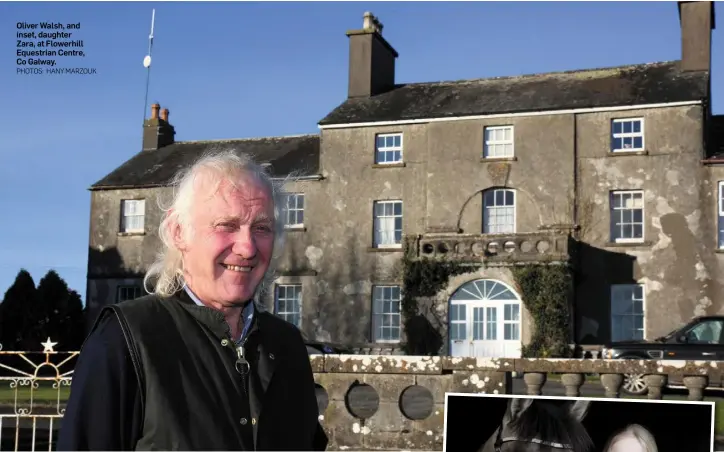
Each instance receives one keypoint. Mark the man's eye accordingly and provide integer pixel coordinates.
(226, 227)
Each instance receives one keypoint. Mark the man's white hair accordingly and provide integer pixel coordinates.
(638, 432)
(216, 166)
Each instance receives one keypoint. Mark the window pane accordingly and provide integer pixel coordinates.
(638, 142)
(616, 127)
(627, 127)
(637, 126)
(617, 143)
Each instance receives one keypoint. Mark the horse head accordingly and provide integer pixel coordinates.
(540, 425)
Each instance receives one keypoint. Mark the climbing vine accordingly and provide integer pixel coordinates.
(545, 290)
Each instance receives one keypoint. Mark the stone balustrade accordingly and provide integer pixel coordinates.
(520, 248)
(397, 402)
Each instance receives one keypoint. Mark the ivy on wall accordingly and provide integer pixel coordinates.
(545, 289)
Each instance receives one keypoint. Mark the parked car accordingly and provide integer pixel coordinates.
(325, 348)
(701, 339)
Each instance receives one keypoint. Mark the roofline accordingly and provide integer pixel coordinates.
(509, 115)
(312, 177)
(224, 140)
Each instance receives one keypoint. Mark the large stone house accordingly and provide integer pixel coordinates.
(615, 171)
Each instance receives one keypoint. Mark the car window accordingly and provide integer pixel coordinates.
(706, 332)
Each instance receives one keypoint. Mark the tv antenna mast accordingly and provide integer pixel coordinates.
(147, 63)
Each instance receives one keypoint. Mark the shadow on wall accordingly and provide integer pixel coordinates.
(102, 266)
(598, 270)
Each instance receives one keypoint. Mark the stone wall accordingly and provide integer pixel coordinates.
(397, 402)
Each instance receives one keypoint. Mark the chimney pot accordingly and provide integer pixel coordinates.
(154, 111)
(157, 131)
(164, 114)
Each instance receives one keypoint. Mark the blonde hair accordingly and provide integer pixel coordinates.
(638, 432)
(216, 166)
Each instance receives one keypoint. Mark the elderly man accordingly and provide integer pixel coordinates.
(197, 364)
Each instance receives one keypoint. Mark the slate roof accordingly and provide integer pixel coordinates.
(298, 154)
(606, 87)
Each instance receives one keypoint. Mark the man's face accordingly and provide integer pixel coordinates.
(232, 241)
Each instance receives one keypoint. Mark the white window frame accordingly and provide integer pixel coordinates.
(631, 135)
(720, 215)
(488, 143)
(284, 315)
(125, 204)
(486, 208)
(288, 212)
(377, 316)
(611, 209)
(137, 292)
(623, 287)
(376, 222)
(387, 149)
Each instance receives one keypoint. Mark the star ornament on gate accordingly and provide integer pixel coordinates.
(48, 346)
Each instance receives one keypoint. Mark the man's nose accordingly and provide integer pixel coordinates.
(244, 244)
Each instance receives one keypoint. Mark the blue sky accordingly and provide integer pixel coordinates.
(234, 70)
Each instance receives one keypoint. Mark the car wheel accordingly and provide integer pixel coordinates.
(634, 384)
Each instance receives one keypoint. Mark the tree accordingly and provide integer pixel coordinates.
(16, 311)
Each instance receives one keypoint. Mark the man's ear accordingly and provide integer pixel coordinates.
(175, 232)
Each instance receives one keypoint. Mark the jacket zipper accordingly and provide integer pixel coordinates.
(241, 365)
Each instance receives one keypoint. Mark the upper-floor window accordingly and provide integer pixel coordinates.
(387, 224)
(498, 142)
(386, 314)
(133, 212)
(720, 214)
(124, 293)
(388, 148)
(627, 216)
(627, 312)
(627, 135)
(288, 303)
(294, 210)
(499, 211)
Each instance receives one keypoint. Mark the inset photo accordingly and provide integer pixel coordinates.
(513, 423)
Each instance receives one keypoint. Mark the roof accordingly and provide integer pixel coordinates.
(650, 83)
(291, 154)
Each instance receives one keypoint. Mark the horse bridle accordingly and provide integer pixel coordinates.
(500, 440)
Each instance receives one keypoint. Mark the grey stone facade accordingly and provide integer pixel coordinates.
(553, 162)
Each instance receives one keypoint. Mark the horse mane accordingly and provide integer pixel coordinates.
(548, 422)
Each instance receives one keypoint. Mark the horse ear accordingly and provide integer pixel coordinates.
(579, 409)
(516, 407)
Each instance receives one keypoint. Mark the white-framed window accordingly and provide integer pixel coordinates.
(627, 312)
(133, 212)
(386, 313)
(124, 293)
(388, 148)
(387, 224)
(720, 215)
(511, 322)
(627, 135)
(627, 216)
(498, 142)
(499, 211)
(288, 303)
(294, 210)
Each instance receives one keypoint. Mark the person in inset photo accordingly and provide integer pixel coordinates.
(633, 438)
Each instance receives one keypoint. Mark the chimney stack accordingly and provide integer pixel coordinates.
(371, 60)
(697, 22)
(157, 132)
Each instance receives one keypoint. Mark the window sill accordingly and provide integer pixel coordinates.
(645, 244)
(719, 250)
(498, 159)
(300, 228)
(389, 165)
(131, 234)
(397, 249)
(623, 153)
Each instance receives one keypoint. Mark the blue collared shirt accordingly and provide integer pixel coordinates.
(247, 313)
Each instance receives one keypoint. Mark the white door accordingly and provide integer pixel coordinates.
(484, 320)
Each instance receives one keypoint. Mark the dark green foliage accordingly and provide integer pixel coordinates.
(545, 291)
(423, 278)
(29, 315)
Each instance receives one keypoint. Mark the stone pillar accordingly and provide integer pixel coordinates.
(535, 382)
(612, 384)
(696, 386)
(655, 384)
(573, 383)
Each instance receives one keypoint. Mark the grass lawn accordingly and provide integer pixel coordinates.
(44, 394)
